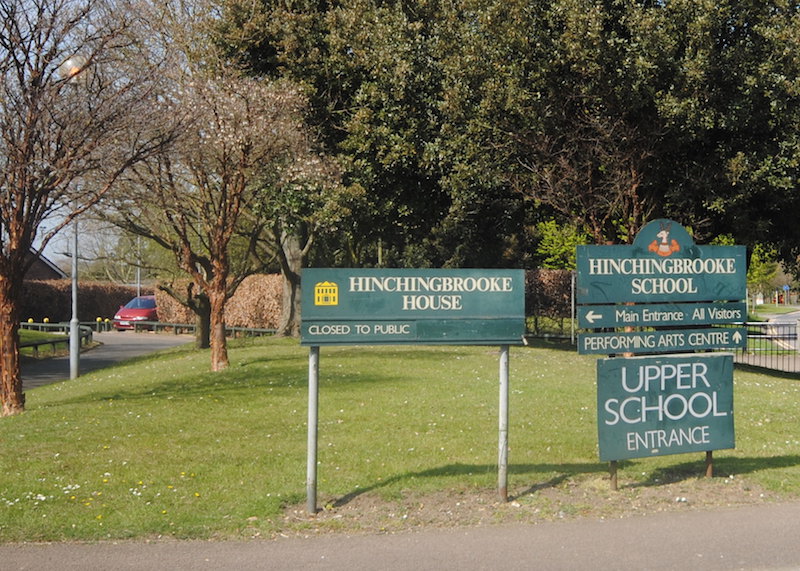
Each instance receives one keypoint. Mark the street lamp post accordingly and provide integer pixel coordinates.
(74, 323)
(138, 266)
(72, 71)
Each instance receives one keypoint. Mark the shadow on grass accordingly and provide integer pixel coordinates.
(563, 471)
(767, 372)
(257, 374)
(723, 467)
(554, 343)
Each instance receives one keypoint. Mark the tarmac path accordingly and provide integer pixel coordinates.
(755, 537)
(115, 347)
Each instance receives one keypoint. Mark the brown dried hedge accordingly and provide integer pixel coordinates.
(169, 310)
(257, 302)
(547, 293)
(548, 301)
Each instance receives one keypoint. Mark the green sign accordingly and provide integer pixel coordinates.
(661, 314)
(671, 341)
(399, 306)
(652, 406)
(663, 265)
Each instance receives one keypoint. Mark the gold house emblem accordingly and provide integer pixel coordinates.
(326, 293)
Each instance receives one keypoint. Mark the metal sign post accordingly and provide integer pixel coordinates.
(313, 422)
(313, 427)
(502, 461)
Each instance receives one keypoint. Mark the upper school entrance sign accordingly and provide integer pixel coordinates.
(401, 306)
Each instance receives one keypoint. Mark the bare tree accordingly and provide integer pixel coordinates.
(76, 111)
(591, 173)
(201, 198)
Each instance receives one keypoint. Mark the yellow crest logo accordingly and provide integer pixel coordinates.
(326, 293)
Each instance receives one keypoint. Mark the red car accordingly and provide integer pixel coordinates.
(141, 308)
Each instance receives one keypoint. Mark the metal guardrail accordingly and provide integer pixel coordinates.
(88, 327)
(178, 328)
(161, 327)
(85, 335)
(771, 345)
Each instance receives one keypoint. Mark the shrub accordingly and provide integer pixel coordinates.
(547, 298)
(256, 303)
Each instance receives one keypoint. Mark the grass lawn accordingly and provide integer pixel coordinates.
(772, 309)
(162, 447)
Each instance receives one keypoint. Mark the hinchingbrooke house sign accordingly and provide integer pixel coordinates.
(410, 306)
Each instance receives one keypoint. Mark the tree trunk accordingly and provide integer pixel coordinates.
(202, 335)
(219, 345)
(290, 268)
(11, 395)
(201, 307)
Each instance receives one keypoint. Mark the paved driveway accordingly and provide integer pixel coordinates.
(756, 537)
(116, 346)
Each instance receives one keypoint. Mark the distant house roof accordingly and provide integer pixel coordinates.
(44, 269)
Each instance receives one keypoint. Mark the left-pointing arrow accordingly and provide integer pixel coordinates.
(591, 317)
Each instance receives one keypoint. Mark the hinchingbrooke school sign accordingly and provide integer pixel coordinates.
(662, 294)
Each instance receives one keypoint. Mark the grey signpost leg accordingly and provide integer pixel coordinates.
(502, 469)
(313, 412)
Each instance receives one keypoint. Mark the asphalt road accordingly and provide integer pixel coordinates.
(756, 537)
(785, 322)
(116, 346)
